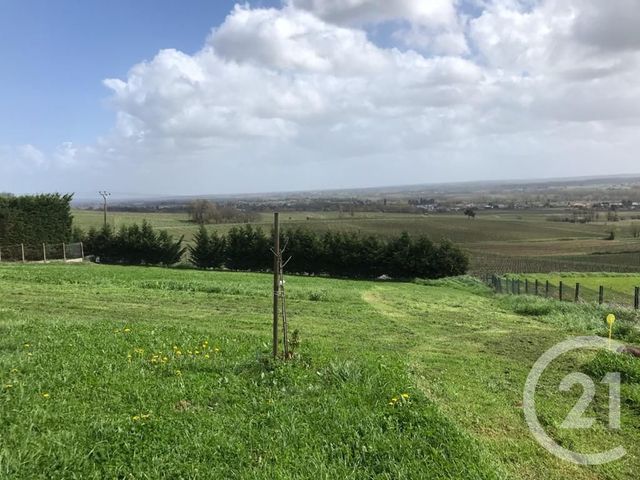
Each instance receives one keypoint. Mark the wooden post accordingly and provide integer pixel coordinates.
(577, 293)
(526, 286)
(537, 287)
(601, 295)
(546, 289)
(82, 250)
(513, 285)
(276, 280)
(560, 288)
(22, 248)
(0, 254)
(518, 286)
(44, 252)
(64, 253)
(636, 301)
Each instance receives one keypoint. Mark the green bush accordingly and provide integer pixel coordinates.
(208, 250)
(35, 219)
(134, 245)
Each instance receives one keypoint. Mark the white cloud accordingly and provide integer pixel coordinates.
(302, 97)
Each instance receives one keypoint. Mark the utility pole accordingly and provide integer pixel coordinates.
(104, 194)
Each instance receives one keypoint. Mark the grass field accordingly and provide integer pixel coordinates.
(503, 242)
(124, 372)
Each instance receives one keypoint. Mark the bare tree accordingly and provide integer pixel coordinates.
(203, 211)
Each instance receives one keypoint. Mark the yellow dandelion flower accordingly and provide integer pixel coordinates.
(178, 373)
(45, 395)
(216, 350)
(126, 330)
(135, 418)
(178, 353)
(27, 345)
(7, 386)
(405, 396)
(206, 355)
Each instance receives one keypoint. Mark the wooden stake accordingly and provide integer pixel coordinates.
(577, 293)
(44, 252)
(560, 288)
(601, 295)
(82, 250)
(64, 253)
(636, 301)
(22, 247)
(276, 280)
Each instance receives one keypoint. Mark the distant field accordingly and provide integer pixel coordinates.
(522, 241)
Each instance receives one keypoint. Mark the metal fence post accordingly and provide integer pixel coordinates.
(546, 289)
(560, 288)
(577, 292)
(44, 252)
(64, 252)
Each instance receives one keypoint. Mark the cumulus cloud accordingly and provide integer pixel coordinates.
(304, 96)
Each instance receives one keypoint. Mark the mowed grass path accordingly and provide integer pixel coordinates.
(119, 372)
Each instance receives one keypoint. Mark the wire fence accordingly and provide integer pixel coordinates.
(43, 253)
(563, 291)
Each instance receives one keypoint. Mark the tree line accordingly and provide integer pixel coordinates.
(248, 248)
(341, 254)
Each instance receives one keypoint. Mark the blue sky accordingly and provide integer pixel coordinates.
(140, 97)
(57, 53)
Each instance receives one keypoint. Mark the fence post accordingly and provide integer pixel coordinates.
(22, 248)
(518, 282)
(0, 254)
(577, 292)
(537, 287)
(601, 295)
(64, 252)
(513, 285)
(636, 303)
(526, 286)
(44, 252)
(82, 251)
(560, 288)
(546, 289)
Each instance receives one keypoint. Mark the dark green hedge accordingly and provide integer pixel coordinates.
(134, 245)
(35, 219)
(338, 254)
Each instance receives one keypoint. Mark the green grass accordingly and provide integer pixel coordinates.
(93, 385)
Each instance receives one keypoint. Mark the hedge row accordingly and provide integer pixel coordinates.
(35, 219)
(248, 248)
(333, 253)
(134, 245)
